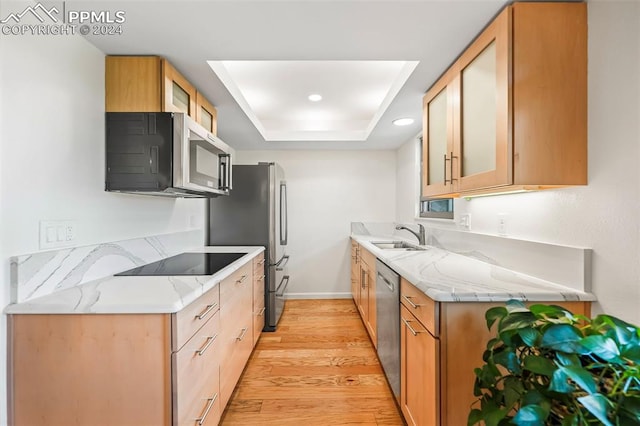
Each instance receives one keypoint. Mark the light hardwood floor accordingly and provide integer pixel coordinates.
(319, 368)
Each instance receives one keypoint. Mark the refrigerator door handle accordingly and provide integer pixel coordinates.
(284, 226)
(283, 285)
(279, 266)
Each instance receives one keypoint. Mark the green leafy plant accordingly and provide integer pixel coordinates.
(547, 366)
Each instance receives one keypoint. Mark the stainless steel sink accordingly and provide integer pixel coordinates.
(396, 245)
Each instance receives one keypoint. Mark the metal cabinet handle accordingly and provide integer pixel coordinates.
(414, 332)
(451, 165)
(210, 340)
(261, 262)
(261, 278)
(244, 331)
(210, 402)
(413, 305)
(241, 280)
(445, 169)
(208, 309)
(261, 312)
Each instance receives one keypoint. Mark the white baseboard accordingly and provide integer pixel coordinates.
(318, 296)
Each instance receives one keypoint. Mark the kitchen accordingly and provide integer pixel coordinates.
(53, 122)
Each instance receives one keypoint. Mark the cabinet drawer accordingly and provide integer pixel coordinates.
(367, 258)
(420, 305)
(258, 317)
(258, 266)
(236, 285)
(189, 320)
(196, 376)
(236, 346)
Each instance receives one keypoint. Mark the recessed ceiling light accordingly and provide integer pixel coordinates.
(315, 97)
(403, 121)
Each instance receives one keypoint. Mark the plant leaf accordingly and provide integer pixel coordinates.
(494, 314)
(560, 382)
(530, 336)
(493, 417)
(562, 337)
(514, 305)
(582, 377)
(550, 311)
(568, 359)
(509, 360)
(631, 352)
(539, 365)
(513, 391)
(570, 420)
(631, 405)
(516, 321)
(622, 332)
(597, 405)
(603, 347)
(474, 417)
(530, 415)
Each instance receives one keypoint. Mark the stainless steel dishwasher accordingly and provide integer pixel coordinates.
(388, 323)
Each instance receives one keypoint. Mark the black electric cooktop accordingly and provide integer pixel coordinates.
(186, 264)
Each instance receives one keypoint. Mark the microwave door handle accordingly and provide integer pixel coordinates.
(225, 172)
(229, 174)
(284, 227)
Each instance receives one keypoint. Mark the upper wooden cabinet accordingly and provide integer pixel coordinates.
(152, 84)
(511, 112)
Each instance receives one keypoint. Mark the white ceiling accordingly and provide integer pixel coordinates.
(190, 33)
(275, 96)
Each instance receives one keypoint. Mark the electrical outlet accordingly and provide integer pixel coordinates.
(57, 233)
(465, 221)
(503, 221)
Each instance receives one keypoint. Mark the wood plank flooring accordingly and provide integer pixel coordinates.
(319, 368)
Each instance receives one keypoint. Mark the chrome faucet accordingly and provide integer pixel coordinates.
(419, 235)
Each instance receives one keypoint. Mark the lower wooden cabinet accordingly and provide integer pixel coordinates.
(441, 344)
(236, 342)
(363, 287)
(196, 377)
(258, 297)
(419, 351)
(134, 369)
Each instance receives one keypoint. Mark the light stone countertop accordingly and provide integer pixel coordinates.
(445, 276)
(135, 294)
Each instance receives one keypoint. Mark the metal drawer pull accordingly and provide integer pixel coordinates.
(206, 410)
(210, 340)
(261, 312)
(414, 332)
(244, 331)
(261, 278)
(261, 262)
(413, 305)
(241, 280)
(208, 309)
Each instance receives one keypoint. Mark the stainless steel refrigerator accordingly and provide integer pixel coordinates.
(255, 214)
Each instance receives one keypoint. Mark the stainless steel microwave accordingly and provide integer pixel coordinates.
(163, 153)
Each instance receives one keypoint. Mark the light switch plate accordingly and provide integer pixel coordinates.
(57, 233)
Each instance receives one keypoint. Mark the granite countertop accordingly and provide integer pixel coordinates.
(445, 276)
(135, 294)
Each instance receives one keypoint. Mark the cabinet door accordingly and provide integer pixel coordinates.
(206, 114)
(355, 272)
(258, 297)
(363, 303)
(371, 305)
(419, 365)
(438, 138)
(179, 95)
(483, 153)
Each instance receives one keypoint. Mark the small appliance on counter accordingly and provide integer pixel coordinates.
(164, 153)
(255, 214)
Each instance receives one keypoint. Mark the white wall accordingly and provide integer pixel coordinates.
(52, 158)
(327, 191)
(604, 214)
